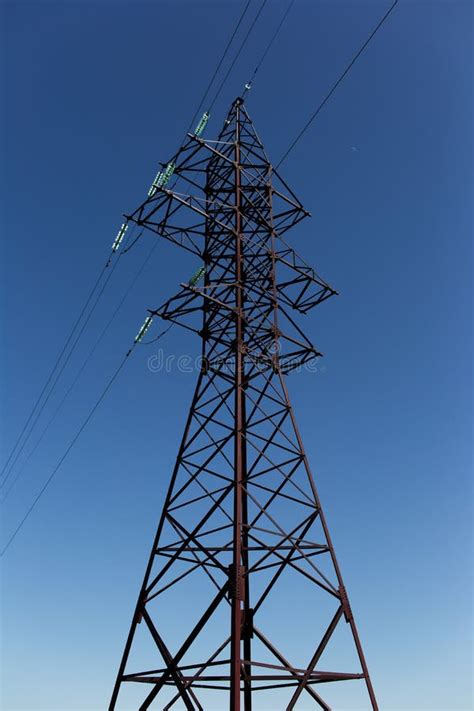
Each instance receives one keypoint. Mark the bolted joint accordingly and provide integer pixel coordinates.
(240, 346)
(236, 582)
(345, 603)
(275, 363)
(247, 624)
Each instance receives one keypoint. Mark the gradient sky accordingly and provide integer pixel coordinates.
(94, 94)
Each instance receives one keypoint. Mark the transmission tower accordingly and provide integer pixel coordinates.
(242, 599)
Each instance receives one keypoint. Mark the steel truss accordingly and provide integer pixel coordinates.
(242, 511)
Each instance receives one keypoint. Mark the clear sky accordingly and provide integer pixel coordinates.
(93, 95)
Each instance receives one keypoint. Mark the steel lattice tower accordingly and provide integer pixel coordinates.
(242, 519)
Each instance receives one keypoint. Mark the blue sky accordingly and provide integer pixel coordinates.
(94, 95)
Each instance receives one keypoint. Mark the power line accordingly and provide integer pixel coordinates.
(239, 51)
(334, 87)
(219, 64)
(51, 375)
(131, 246)
(89, 298)
(60, 372)
(58, 360)
(81, 370)
(270, 43)
(158, 337)
(211, 81)
(70, 446)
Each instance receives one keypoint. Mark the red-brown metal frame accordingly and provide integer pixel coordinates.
(241, 461)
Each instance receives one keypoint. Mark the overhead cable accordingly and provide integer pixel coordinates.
(82, 368)
(239, 51)
(69, 447)
(55, 366)
(336, 84)
(34, 416)
(115, 246)
(219, 64)
(269, 45)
